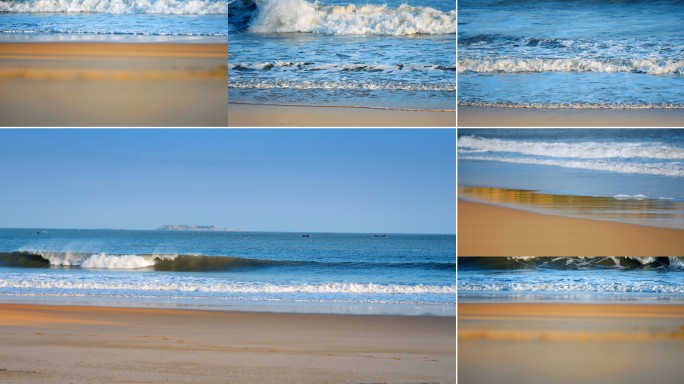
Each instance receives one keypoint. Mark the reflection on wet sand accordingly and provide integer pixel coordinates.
(629, 209)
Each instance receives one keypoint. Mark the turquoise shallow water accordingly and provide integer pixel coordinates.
(339, 273)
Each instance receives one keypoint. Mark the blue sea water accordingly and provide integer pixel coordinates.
(576, 279)
(393, 54)
(326, 272)
(109, 20)
(632, 175)
(571, 54)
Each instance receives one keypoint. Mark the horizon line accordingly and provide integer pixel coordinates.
(235, 231)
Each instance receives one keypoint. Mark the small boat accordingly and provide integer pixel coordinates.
(42, 232)
(379, 235)
(306, 235)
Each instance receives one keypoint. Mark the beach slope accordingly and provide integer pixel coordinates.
(489, 230)
(74, 344)
(113, 84)
(570, 343)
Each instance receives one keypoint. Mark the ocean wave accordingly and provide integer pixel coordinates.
(658, 169)
(573, 105)
(586, 150)
(279, 16)
(570, 263)
(16, 281)
(613, 287)
(335, 85)
(336, 67)
(168, 7)
(174, 262)
(650, 66)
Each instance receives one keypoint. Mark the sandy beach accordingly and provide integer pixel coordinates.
(489, 230)
(569, 343)
(113, 84)
(73, 344)
(546, 117)
(249, 115)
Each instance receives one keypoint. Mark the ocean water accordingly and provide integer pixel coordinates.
(575, 279)
(113, 20)
(571, 53)
(629, 175)
(393, 54)
(326, 272)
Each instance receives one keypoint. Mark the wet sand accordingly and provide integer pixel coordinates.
(113, 84)
(570, 343)
(548, 117)
(251, 115)
(489, 230)
(75, 344)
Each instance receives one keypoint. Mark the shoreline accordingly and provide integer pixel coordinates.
(470, 116)
(41, 342)
(118, 84)
(492, 230)
(260, 115)
(570, 343)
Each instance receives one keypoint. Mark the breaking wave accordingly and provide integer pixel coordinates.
(570, 263)
(172, 262)
(336, 67)
(168, 7)
(658, 169)
(278, 16)
(645, 66)
(333, 84)
(589, 149)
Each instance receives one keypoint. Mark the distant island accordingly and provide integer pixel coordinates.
(180, 227)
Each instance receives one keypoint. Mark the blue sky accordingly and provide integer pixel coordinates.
(353, 180)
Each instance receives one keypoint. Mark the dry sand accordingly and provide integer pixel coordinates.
(249, 115)
(570, 343)
(113, 84)
(547, 117)
(488, 230)
(73, 344)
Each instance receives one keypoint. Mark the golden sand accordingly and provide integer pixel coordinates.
(247, 115)
(488, 230)
(64, 344)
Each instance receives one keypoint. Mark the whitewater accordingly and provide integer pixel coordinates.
(113, 20)
(338, 273)
(377, 54)
(574, 54)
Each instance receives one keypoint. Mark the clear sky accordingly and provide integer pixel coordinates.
(393, 181)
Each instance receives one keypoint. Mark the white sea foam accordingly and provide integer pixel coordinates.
(174, 7)
(586, 150)
(100, 260)
(649, 66)
(57, 282)
(334, 84)
(594, 286)
(276, 16)
(623, 196)
(660, 169)
(573, 105)
(338, 67)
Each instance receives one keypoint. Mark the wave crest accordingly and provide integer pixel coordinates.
(646, 66)
(591, 150)
(279, 16)
(167, 7)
